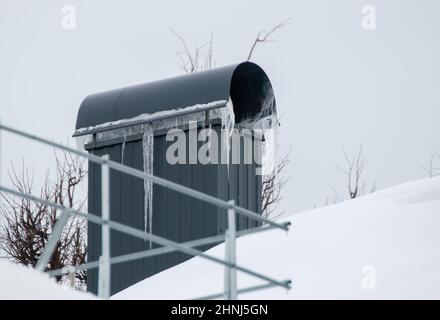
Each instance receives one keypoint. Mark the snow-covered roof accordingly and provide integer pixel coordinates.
(384, 245)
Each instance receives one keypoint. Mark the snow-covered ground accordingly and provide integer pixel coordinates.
(390, 238)
(20, 282)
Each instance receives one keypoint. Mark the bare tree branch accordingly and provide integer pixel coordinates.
(199, 60)
(353, 170)
(264, 36)
(273, 183)
(27, 225)
(433, 168)
(272, 186)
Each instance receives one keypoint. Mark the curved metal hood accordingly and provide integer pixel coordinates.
(246, 84)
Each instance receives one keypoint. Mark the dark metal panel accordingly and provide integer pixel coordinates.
(145, 266)
(254, 189)
(160, 221)
(93, 230)
(176, 216)
(242, 187)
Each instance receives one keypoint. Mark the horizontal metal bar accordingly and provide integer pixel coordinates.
(157, 180)
(144, 236)
(244, 290)
(158, 251)
(128, 123)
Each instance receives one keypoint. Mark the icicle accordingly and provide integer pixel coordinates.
(124, 140)
(148, 148)
(229, 127)
(267, 122)
(227, 116)
(269, 126)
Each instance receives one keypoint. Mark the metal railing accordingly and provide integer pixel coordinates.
(105, 261)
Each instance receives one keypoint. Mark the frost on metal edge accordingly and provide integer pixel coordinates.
(151, 116)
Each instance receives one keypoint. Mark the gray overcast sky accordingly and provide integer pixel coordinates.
(336, 84)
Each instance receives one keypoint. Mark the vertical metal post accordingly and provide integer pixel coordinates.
(104, 259)
(230, 255)
(52, 241)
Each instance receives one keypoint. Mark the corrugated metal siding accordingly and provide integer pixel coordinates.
(176, 216)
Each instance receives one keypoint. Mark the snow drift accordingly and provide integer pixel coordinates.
(23, 283)
(394, 232)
